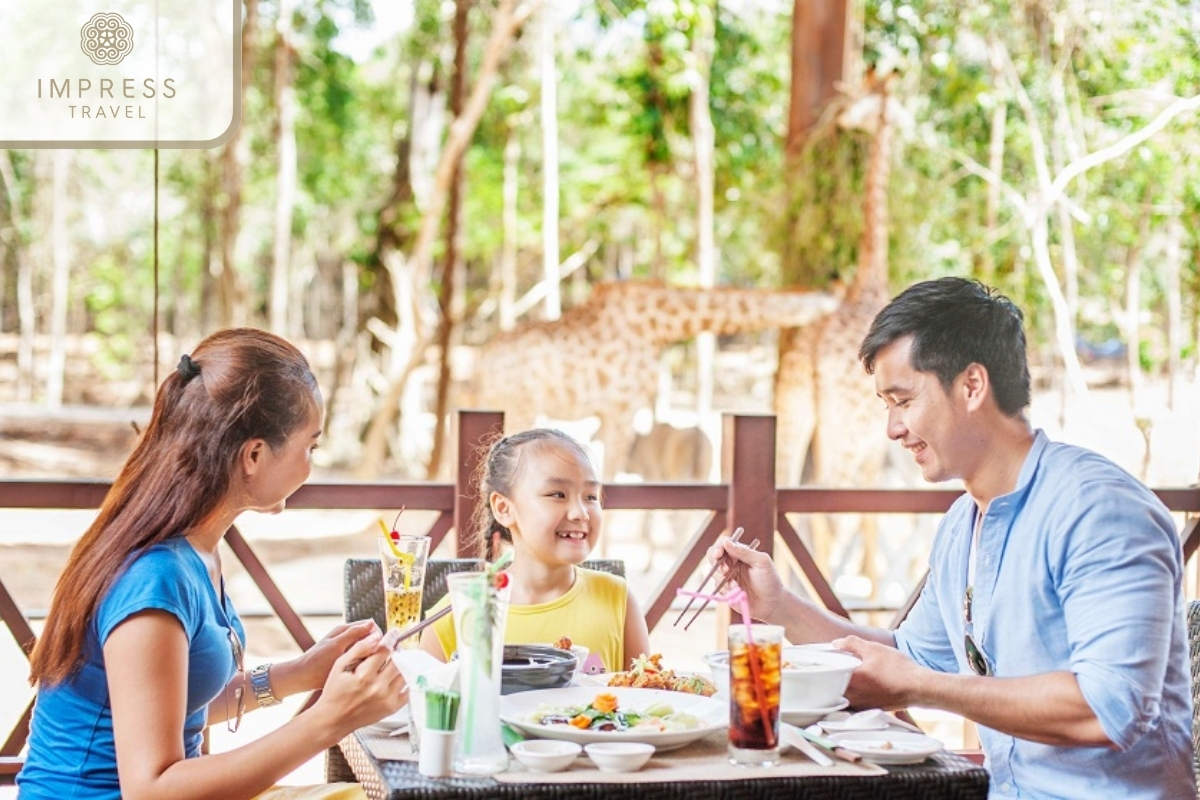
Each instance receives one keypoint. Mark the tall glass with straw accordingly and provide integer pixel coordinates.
(755, 676)
(755, 655)
(480, 603)
(402, 560)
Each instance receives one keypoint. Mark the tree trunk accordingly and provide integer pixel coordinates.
(344, 343)
(406, 344)
(446, 289)
(508, 21)
(552, 308)
(1133, 308)
(1037, 222)
(508, 253)
(26, 315)
(285, 182)
(60, 244)
(703, 142)
(1061, 152)
(999, 126)
(208, 244)
(229, 288)
(820, 32)
(1172, 267)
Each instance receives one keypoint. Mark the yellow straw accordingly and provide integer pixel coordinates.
(407, 559)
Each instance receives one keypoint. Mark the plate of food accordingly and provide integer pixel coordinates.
(648, 672)
(584, 715)
(888, 747)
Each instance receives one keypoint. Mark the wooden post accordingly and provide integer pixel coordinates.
(476, 431)
(748, 466)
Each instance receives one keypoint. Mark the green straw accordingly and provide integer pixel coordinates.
(441, 710)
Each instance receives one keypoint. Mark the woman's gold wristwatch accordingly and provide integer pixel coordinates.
(260, 683)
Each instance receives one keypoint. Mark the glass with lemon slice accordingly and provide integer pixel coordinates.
(403, 561)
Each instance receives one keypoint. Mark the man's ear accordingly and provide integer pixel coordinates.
(251, 456)
(502, 509)
(976, 385)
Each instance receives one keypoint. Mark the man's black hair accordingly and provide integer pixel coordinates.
(955, 322)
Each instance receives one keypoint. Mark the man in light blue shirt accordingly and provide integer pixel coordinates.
(1053, 615)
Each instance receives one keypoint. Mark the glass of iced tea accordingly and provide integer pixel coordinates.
(403, 560)
(755, 659)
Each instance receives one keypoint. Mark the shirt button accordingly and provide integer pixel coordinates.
(1004, 787)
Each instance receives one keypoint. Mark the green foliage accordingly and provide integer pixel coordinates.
(626, 70)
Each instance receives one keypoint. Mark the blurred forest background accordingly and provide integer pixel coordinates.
(411, 177)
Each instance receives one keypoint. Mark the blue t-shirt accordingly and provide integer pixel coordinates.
(1078, 569)
(71, 749)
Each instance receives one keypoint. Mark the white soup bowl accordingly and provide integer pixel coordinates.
(813, 677)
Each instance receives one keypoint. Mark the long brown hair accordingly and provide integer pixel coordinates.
(237, 385)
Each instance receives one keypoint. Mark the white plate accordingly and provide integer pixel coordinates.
(889, 747)
(515, 709)
(803, 717)
(392, 722)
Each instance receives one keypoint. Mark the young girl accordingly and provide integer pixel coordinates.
(142, 648)
(540, 493)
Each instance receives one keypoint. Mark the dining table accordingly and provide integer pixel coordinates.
(385, 765)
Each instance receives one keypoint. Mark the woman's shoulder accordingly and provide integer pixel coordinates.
(169, 558)
(160, 576)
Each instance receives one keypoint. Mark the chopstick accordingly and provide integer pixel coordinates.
(737, 534)
(724, 581)
(394, 637)
(830, 746)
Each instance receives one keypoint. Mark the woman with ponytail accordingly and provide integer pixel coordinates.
(142, 648)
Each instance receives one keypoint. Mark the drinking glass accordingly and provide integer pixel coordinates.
(480, 611)
(755, 659)
(403, 560)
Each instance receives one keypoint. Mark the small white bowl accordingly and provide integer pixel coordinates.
(545, 755)
(619, 756)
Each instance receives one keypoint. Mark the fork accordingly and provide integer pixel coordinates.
(724, 582)
(737, 534)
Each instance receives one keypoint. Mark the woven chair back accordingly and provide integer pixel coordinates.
(363, 583)
(1193, 627)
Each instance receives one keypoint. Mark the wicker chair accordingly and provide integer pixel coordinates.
(1193, 625)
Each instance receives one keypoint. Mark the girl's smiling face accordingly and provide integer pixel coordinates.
(554, 510)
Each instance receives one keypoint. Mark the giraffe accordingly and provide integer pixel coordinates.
(821, 393)
(601, 357)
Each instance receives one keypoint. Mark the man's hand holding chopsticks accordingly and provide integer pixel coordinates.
(754, 573)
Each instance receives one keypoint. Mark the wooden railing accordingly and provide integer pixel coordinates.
(746, 497)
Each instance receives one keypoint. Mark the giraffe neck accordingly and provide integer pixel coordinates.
(663, 314)
(870, 283)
